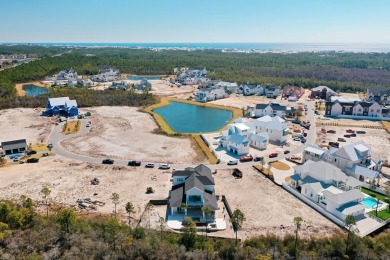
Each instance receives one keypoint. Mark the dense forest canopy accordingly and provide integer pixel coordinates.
(347, 72)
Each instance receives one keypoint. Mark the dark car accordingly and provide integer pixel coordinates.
(258, 158)
(347, 135)
(331, 131)
(45, 154)
(108, 161)
(341, 139)
(134, 163)
(303, 140)
(32, 160)
(361, 132)
(353, 135)
(31, 152)
(286, 152)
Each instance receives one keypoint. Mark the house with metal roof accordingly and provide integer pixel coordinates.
(275, 127)
(329, 187)
(62, 106)
(194, 188)
(15, 146)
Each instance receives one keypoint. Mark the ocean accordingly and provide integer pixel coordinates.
(264, 47)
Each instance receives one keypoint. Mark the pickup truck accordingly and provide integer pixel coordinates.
(248, 158)
(334, 144)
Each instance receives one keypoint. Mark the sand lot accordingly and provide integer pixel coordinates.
(125, 133)
(267, 207)
(70, 181)
(377, 139)
(24, 123)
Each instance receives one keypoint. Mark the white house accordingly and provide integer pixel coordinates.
(379, 95)
(251, 89)
(240, 136)
(355, 159)
(272, 91)
(275, 127)
(209, 94)
(356, 108)
(270, 109)
(328, 187)
(193, 187)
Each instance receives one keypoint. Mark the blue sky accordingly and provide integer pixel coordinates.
(301, 21)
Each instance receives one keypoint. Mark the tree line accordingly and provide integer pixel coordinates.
(60, 234)
(342, 71)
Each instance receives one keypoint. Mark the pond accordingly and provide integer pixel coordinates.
(143, 77)
(33, 91)
(188, 118)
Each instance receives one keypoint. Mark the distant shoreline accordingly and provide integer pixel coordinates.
(232, 47)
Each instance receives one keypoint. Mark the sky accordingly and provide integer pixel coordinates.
(205, 21)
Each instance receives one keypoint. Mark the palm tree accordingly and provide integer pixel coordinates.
(115, 200)
(207, 211)
(130, 210)
(237, 219)
(46, 192)
(148, 208)
(349, 222)
(298, 223)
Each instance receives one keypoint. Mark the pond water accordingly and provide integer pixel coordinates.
(143, 77)
(33, 91)
(188, 118)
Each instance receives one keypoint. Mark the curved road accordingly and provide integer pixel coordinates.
(56, 137)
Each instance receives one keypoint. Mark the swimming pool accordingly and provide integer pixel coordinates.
(369, 202)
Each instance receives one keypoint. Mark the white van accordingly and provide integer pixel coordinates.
(299, 135)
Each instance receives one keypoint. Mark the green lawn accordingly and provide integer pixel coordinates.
(374, 194)
(384, 214)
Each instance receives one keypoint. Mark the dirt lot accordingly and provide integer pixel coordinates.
(125, 133)
(267, 207)
(377, 139)
(24, 123)
(70, 181)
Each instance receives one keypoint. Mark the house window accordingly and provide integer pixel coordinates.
(335, 160)
(360, 109)
(378, 110)
(371, 110)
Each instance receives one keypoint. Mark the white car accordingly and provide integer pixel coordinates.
(232, 162)
(164, 166)
(149, 165)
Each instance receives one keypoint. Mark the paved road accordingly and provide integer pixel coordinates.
(56, 137)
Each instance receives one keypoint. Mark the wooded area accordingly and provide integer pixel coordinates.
(347, 72)
(24, 234)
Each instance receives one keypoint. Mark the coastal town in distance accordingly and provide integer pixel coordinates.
(115, 150)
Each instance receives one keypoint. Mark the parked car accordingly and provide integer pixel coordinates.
(248, 158)
(297, 139)
(350, 131)
(149, 165)
(303, 140)
(45, 154)
(16, 159)
(258, 158)
(347, 135)
(232, 162)
(87, 125)
(334, 144)
(331, 131)
(164, 166)
(50, 145)
(32, 160)
(134, 163)
(353, 135)
(286, 152)
(361, 132)
(31, 152)
(108, 161)
(341, 139)
(296, 121)
(272, 155)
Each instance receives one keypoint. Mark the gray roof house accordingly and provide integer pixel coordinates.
(193, 187)
(15, 146)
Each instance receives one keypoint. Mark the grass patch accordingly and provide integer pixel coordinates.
(386, 125)
(374, 194)
(280, 165)
(166, 128)
(71, 127)
(205, 149)
(383, 214)
(39, 147)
